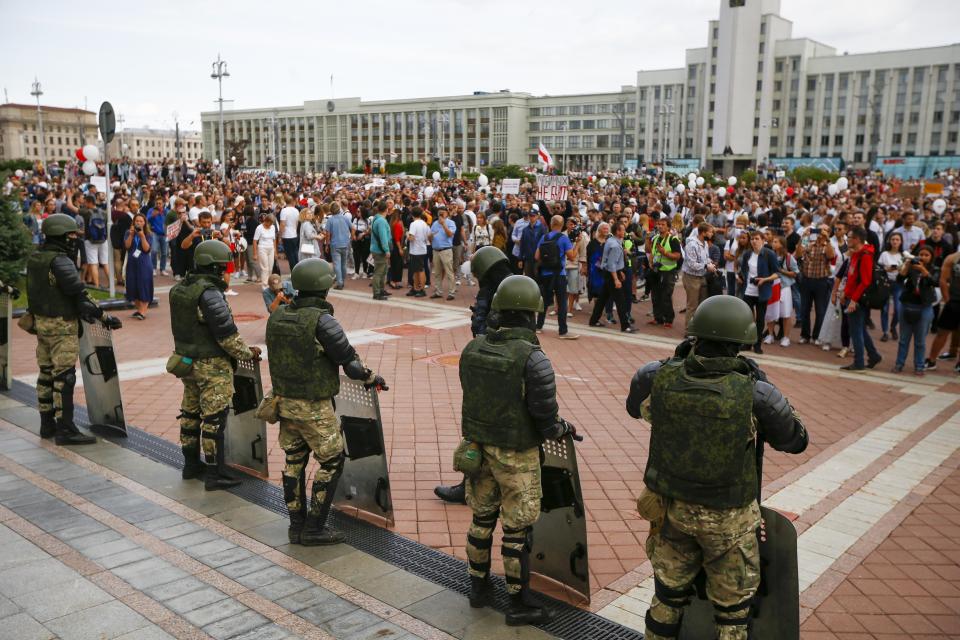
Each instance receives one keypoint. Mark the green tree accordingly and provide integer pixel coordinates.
(15, 241)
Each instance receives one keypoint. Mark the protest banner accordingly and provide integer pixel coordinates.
(552, 187)
(511, 186)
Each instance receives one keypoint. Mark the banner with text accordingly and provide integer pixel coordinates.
(511, 186)
(552, 187)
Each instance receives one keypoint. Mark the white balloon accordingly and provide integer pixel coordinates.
(89, 167)
(483, 180)
(18, 173)
(842, 183)
(91, 152)
(732, 181)
(775, 188)
(428, 193)
(832, 189)
(721, 192)
(603, 182)
(814, 189)
(436, 175)
(700, 181)
(691, 177)
(333, 175)
(681, 188)
(396, 186)
(939, 206)
(216, 162)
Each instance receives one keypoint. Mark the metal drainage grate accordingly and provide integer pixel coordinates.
(569, 623)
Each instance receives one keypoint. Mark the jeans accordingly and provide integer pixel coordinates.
(291, 247)
(814, 293)
(158, 251)
(760, 311)
(340, 263)
(732, 283)
(253, 265)
(917, 330)
(554, 286)
(860, 337)
(885, 322)
(617, 294)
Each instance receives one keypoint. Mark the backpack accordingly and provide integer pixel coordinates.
(550, 253)
(96, 231)
(877, 294)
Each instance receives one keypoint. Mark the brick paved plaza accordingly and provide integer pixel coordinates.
(874, 497)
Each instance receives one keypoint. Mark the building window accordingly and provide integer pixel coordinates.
(692, 72)
(858, 140)
(589, 109)
(838, 140)
(534, 141)
(914, 118)
(774, 141)
(778, 65)
(937, 117)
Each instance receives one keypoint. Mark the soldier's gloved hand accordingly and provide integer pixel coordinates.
(256, 353)
(111, 322)
(377, 382)
(567, 427)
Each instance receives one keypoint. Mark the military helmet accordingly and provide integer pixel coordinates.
(724, 319)
(313, 274)
(517, 293)
(484, 259)
(211, 252)
(59, 224)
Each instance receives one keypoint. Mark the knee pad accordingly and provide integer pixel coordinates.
(674, 598)
(67, 378)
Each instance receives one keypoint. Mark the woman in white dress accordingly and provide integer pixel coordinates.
(265, 247)
(310, 236)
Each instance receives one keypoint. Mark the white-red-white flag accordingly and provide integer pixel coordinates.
(545, 156)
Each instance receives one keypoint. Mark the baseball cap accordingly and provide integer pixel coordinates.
(535, 207)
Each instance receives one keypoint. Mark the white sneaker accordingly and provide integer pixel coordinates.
(817, 343)
(355, 276)
(785, 342)
(805, 341)
(826, 346)
(577, 307)
(458, 283)
(569, 315)
(230, 292)
(768, 339)
(553, 312)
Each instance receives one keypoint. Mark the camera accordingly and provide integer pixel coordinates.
(206, 234)
(755, 281)
(909, 257)
(574, 234)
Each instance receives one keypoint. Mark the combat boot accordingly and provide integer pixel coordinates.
(481, 591)
(216, 475)
(67, 432)
(456, 494)
(523, 610)
(48, 424)
(295, 530)
(315, 531)
(192, 466)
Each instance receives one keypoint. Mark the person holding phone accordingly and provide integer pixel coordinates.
(758, 269)
(139, 266)
(816, 284)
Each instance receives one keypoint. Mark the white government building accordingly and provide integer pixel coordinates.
(753, 94)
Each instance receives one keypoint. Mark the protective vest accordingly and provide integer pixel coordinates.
(702, 437)
(46, 299)
(191, 336)
(299, 367)
(492, 369)
(658, 245)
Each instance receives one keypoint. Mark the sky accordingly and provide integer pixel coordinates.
(152, 60)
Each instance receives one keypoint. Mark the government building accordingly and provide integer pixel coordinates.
(755, 93)
(64, 131)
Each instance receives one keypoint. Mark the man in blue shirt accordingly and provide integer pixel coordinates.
(441, 239)
(341, 233)
(612, 264)
(380, 241)
(552, 253)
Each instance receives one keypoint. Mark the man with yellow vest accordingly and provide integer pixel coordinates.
(664, 247)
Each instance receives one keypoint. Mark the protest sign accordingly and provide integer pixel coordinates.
(552, 187)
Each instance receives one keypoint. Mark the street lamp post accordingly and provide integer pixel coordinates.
(37, 92)
(621, 119)
(666, 111)
(219, 73)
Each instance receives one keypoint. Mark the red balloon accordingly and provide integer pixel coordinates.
(80, 155)
(789, 191)
(730, 189)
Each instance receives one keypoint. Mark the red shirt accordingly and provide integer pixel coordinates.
(860, 273)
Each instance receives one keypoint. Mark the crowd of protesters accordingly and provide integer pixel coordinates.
(803, 256)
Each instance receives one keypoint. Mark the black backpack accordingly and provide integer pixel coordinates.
(550, 253)
(879, 290)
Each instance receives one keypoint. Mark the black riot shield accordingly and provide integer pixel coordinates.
(6, 324)
(560, 535)
(365, 483)
(246, 437)
(776, 611)
(101, 382)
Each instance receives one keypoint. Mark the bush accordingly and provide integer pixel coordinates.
(505, 171)
(802, 175)
(709, 178)
(15, 240)
(13, 165)
(748, 177)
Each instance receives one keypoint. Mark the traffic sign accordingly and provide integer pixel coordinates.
(108, 122)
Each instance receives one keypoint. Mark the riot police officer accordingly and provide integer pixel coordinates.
(307, 347)
(58, 301)
(707, 408)
(490, 266)
(206, 340)
(509, 408)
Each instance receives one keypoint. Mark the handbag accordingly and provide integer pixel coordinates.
(307, 249)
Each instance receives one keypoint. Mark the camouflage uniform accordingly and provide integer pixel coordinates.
(208, 391)
(702, 482)
(508, 484)
(58, 347)
(309, 426)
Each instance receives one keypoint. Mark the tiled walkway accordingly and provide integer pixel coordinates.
(91, 553)
(881, 444)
